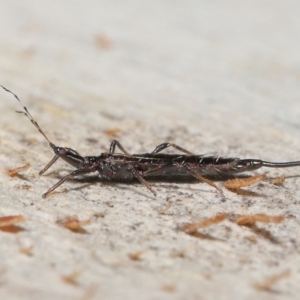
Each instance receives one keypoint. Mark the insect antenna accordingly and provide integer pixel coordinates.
(28, 115)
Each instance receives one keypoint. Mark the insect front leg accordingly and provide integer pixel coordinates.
(60, 182)
(163, 146)
(53, 160)
(115, 144)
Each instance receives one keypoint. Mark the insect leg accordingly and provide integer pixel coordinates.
(141, 179)
(53, 160)
(60, 182)
(163, 146)
(201, 178)
(115, 144)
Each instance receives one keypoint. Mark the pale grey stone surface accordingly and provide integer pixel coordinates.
(212, 76)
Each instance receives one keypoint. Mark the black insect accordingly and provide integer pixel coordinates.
(125, 166)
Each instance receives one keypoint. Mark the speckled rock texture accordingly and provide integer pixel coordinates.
(216, 77)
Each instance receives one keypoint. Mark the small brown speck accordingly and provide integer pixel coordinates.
(103, 42)
(72, 278)
(170, 288)
(112, 132)
(136, 255)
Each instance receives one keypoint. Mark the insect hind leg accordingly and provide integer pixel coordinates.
(163, 146)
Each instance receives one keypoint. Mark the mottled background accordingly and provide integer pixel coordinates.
(211, 76)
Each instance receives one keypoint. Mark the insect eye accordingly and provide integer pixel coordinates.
(62, 151)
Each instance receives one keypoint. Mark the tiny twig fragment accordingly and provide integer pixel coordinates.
(267, 284)
(193, 227)
(16, 171)
(11, 220)
(74, 224)
(247, 220)
(242, 182)
(113, 132)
